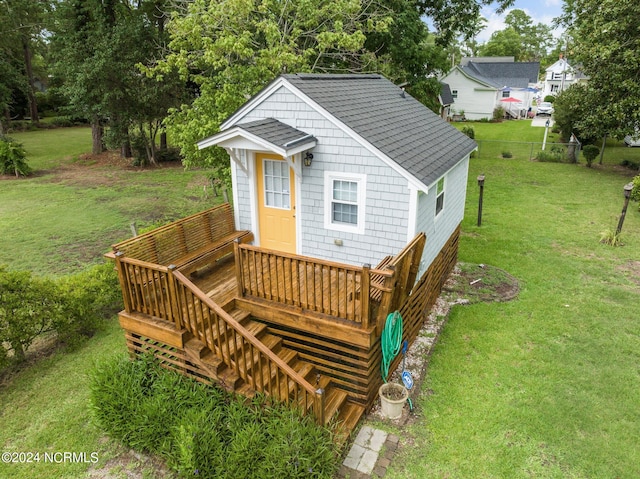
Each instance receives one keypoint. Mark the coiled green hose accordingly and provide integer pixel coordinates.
(391, 342)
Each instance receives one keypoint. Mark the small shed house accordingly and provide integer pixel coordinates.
(344, 167)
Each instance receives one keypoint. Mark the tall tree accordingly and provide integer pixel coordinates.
(230, 50)
(21, 25)
(522, 38)
(98, 45)
(606, 37)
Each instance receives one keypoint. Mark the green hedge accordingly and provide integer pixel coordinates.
(201, 430)
(71, 307)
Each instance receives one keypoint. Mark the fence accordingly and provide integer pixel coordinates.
(552, 152)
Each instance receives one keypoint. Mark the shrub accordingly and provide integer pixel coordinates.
(635, 192)
(13, 158)
(498, 113)
(29, 307)
(203, 431)
(550, 98)
(590, 153)
(507, 154)
(610, 238)
(549, 157)
(71, 307)
(88, 297)
(168, 155)
(632, 165)
(469, 131)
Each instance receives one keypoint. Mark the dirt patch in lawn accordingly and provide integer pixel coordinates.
(106, 169)
(478, 283)
(631, 270)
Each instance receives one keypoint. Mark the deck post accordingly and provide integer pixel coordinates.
(318, 406)
(388, 293)
(123, 283)
(237, 259)
(176, 307)
(365, 295)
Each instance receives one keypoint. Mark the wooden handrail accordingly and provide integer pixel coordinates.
(248, 341)
(327, 287)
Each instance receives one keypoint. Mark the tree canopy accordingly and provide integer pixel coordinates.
(606, 47)
(522, 39)
(227, 51)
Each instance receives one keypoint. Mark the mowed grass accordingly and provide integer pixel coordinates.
(45, 409)
(547, 385)
(58, 222)
(70, 212)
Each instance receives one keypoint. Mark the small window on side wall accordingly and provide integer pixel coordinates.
(344, 204)
(440, 196)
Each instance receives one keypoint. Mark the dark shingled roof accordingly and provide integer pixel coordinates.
(392, 121)
(501, 74)
(276, 132)
(445, 94)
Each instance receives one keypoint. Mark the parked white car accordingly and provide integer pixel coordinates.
(632, 140)
(545, 108)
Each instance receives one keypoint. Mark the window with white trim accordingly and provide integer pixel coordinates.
(454, 93)
(344, 204)
(440, 196)
(506, 93)
(276, 184)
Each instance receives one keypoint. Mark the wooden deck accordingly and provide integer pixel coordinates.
(299, 329)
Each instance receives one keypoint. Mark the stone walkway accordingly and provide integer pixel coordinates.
(370, 454)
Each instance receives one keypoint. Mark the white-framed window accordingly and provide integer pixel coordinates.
(276, 184)
(440, 196)
(344, 201)
(506, 93)
(555, 88)
(454, 93)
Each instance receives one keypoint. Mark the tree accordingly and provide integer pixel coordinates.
(606, 38)
(229, 50)
(522, 39)
(98, 46)
(21, 25)
(453, 18)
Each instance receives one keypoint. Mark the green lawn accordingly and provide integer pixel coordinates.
(548, 385)
(545, 386)
(71, 211)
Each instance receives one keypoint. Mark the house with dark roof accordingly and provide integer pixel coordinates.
(479, 85)
(344, 167)
(353, 193)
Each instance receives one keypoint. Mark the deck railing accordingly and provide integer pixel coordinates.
(334, 289)
(145, 287)
(167, 294)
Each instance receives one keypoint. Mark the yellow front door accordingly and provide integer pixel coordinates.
(276, 203)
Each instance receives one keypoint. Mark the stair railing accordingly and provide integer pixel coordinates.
(241, 351)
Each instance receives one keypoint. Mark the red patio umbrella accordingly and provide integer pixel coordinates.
(510, 100)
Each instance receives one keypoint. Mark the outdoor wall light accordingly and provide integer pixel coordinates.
(308, 157)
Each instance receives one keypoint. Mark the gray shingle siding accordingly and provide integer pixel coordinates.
(438, 230)
(386, 216)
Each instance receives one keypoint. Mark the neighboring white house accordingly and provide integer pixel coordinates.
(480, 84)
(559, 77)
(344, 167)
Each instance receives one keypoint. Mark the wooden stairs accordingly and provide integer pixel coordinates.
(340, 413)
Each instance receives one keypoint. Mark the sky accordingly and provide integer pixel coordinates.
(541, 11)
